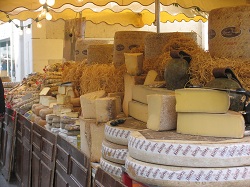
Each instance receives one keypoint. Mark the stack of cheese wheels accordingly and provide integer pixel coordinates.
(228, 32)
(207, 149)
(115, 145)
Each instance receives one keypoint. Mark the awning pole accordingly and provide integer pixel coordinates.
(157, 15)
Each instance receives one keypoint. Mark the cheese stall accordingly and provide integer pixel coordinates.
(147, 109)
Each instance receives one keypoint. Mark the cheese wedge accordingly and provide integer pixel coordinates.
(230, 124)
(201, 100)
(161, 112)
(134, 63)
(138, 111)
(105, 109)
(88, 103)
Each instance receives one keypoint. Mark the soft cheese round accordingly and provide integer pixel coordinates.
(119, 134)
(114, 152)
(170, 176)
(111, 168)
(171, 148)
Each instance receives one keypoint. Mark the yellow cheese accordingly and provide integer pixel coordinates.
(140, 92)
(64, 89)
(161, 112)
(201, 100)
(46, 100)
(138, 111)
(230, 124)
(129, 82)
(150, 78)
(134, 63)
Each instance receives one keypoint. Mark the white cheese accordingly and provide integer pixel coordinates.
(138, 111)
(129, 82)
(59, 109)
(140, 92)
(62, 99)
(105, 109)
(230, 124)
(46, 100)
(64, 89)
(88, 103)
(134, 63)
(169, 176)
(114, 152)
(171, 148)
(161, 112)
(201, 100)
(92, 135)
(119, 134)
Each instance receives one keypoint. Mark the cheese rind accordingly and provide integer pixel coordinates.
(138, 111)
(201, 100)
(134, 63)
(169, 176)
(105, 109)
(230, 124)
(161, 112)
(114, 152)
(113, 168)
(187, 150)
(140, 92)
(119, 134)
(88, 103)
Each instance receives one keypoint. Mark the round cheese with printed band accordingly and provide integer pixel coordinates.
(170, 176)
(110, 167)
(114, 152)
(171, 148)
(119, 134)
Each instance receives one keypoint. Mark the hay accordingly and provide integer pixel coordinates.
(102, 77)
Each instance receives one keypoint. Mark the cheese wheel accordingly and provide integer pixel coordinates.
(44, 112)
(114, 169)
(119, 134)
(171, 148)
(171, 176)
(114, 152)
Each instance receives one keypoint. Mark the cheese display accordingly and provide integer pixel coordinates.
(105, 109)
(170, 176)
(129, 82)
(114, 169)
(60, 109)
(150, 78)
(119, 134)
(201, 100)
(134, 63)
(230, 124)
(92, 135)
(228, 31)
(161, 112)
(47, 100)
(138, 111)
(88, 103)
(114, 152)
(171, 148)
(64, 89)
(140, 92)
(62, 99)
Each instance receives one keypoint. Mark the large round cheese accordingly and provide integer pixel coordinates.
(170, 176)
(171, 148)
(111, 168)
(114, 152)
(119, 134)
(228, 32)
